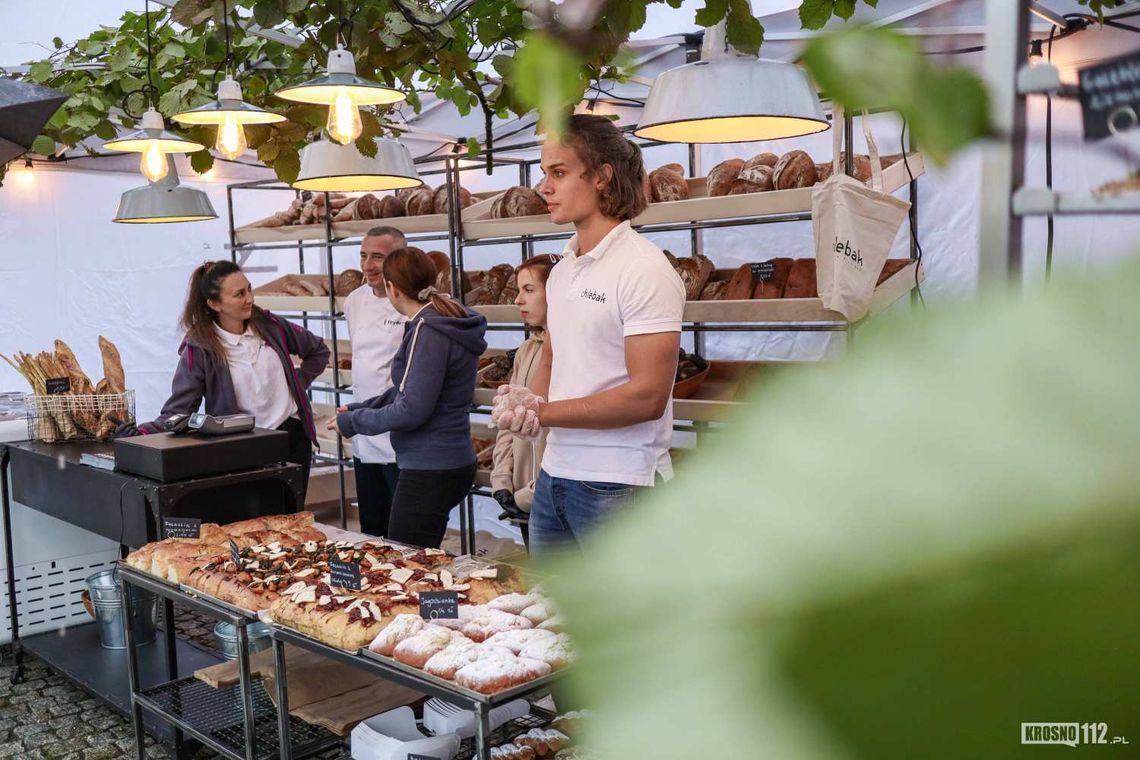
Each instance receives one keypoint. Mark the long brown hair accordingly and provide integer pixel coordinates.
(598, 142)
(414, 274)
(198, 319)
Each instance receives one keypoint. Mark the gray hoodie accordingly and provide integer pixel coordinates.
(428, 408)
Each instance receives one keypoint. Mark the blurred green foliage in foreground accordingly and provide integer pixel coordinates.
(904, 555)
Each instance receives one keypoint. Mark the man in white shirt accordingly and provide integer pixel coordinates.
(376, 329)
(614, 313)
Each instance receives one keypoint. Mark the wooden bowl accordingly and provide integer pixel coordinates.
(688, 387)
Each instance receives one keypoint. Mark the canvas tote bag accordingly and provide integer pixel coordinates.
(854, 227)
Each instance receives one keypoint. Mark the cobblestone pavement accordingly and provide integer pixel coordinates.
(48, 718)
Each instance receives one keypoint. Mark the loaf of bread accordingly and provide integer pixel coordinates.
(774, 287)
(420, 202)
(112, 366)
(794, 169)
(441, 205)
(516, 202)
(722, 176)
(348, 281)
(801, 280)
(758, 179)
(510, 290)
(761, 159)
(442, 271)
(671, 258)
(714, 290)
(313, 287)
(739, 286)
(489, 290)
(667, 184)
(391, 206)
(292, 288)
(822, 172)
(695, 272)
(65, 358)
(366, 206)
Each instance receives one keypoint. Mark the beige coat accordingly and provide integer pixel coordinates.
(516, 461)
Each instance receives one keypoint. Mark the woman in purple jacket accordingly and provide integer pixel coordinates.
(238, 358)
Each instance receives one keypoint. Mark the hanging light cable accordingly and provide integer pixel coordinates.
(229, 112)
(152, 141)
(342, 91)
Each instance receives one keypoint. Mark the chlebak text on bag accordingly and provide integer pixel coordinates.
(846, 250)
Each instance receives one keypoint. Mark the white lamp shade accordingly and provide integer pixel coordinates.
(731, 99)
(329, 167)
(164, 202)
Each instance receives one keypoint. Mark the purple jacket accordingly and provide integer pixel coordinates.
(200, 374)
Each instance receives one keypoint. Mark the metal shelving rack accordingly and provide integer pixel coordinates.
(700, 317)
(792, 315)
(333, 314)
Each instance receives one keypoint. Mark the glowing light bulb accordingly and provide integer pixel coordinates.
(231, 141)
(344, 124)
(153, 162)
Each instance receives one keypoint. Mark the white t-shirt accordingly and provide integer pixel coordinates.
(259, 379)
(624, 287)
(376, 329)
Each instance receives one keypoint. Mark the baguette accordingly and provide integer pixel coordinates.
(112, 366)
(80, 383)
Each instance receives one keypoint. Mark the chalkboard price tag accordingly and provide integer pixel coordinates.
(56, 385)
(1110, 96)
(763, 271)
(344, 574)
(235, 554)
(181, 527)
(435, 605)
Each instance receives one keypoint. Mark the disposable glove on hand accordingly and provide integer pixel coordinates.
(513, 405)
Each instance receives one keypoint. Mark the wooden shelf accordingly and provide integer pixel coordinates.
(697, 208)
(299, 303)
(1041, 201)
(768, 311)
(409, 225)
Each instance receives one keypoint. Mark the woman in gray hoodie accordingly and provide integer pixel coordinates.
(428, 408)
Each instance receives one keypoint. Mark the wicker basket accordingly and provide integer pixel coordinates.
(67, 417)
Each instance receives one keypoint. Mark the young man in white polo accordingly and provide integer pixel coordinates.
(614, 315)
(376, 329)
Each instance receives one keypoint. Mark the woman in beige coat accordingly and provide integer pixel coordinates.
(516, 461)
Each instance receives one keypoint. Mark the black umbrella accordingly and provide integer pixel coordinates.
(24, 109)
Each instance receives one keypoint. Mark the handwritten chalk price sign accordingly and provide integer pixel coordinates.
(435, 605)
(181, 527)
(344, 574)
(1110, 96)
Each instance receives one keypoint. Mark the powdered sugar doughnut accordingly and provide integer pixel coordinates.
(459, 651)
(557, 652)
(512, 752)
(513, 603)
(515, 640)
(494, 672)
(544, 741)
(401, 627)
(418, 649)
(539, 612)
(491, 622)
(467, 612)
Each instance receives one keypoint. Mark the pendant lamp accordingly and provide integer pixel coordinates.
(164, 201)
(343, 92)
(229, 112)
(730, 97)
(327, 166)
(152, 141)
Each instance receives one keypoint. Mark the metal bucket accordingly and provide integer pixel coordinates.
(258, 634)
(106, 597)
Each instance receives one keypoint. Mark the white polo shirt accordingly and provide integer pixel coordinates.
(624, 287)
(260, 387)
(376, 329)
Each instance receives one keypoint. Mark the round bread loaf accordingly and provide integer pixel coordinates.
(516, 202)
(794, 169)
(391, 206)
(722, 176)
(368, 206)
(465, 199)
(762, 159)
(758, 179)
(667, 185)
(822, 171)
(348, 281)
(420, 202)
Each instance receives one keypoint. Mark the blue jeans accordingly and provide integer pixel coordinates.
(564, 511)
